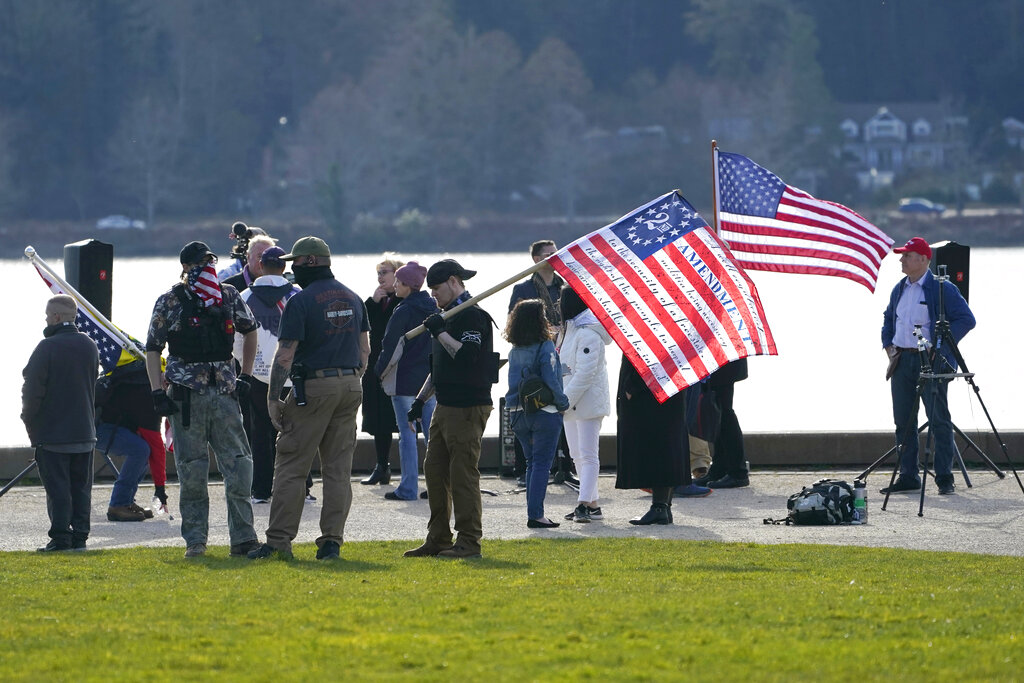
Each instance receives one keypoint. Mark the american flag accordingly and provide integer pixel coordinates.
(206, 286)
(112, 351)
(669, 294)
(771, 226)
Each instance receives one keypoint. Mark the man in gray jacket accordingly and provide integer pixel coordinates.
(57, 407)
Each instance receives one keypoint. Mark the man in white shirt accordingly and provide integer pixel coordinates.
(914, 307)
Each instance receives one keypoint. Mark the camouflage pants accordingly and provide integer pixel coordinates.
(217, 422)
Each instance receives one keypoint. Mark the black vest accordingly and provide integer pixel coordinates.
(206, 334)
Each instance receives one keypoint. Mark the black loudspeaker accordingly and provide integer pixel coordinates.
(89, 268)
(957, 259)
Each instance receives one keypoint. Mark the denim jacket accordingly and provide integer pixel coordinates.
(544, 364)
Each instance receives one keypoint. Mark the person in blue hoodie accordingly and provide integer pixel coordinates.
(402, 376)
(533, 354)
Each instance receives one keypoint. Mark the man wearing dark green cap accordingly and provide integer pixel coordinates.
(323, 345)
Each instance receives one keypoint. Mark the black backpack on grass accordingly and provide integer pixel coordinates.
(823, 503)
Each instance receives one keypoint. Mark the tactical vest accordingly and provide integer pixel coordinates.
(206, 334)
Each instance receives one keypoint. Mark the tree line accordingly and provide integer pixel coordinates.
(378, 116)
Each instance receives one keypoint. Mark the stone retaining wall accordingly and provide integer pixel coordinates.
(773, 450)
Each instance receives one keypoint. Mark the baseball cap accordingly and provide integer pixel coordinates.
(916, 245)
(272, 257)
(444, 269)
(194, 252)
(312, 251)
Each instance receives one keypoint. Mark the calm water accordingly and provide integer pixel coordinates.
(828, 376)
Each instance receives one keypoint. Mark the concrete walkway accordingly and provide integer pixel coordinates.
(988, 518)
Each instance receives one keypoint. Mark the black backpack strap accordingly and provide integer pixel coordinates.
(785, 520)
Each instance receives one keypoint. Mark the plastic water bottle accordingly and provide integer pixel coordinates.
(860, 502)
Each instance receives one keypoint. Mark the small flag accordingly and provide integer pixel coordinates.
(112, 352)
(771, 226)
(669, 293)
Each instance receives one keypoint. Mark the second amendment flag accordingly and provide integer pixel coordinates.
(669, 293)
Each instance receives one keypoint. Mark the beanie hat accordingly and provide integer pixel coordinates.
(411, 275)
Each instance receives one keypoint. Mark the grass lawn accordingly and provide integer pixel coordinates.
(600, 609)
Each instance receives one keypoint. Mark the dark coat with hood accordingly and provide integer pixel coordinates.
(59, 393)
(414, 365)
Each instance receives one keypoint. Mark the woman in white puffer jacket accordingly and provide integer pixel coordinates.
(581, 350)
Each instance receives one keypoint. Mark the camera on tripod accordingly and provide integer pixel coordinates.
(241, 233)
(922, 342)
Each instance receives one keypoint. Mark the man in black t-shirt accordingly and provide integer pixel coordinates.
(463, 368)
(324, 345)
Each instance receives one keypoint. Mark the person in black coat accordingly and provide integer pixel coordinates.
(729, 467)
(652, 444)
(58, 409)
(378, 413)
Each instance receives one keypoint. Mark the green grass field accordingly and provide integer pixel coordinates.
(599, 609)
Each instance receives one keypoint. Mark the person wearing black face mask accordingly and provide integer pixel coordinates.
(323, 344)
(57, 408)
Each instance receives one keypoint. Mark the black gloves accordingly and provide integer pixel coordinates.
(161, 494)
(243, 386)
(416, 410)
(162, 403)
(434, 325)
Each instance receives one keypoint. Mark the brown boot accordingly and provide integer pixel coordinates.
(123, 513)
(146, 512)
(427, 550)
(458, 552)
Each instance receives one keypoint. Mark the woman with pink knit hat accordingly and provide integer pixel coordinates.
(403, 378)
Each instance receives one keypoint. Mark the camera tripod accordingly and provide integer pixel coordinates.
(927, 382)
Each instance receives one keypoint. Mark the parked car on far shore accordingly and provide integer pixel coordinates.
(920, 205)
(117, 222)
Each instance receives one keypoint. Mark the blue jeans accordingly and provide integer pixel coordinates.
(408, 488)
(904, 413)
(538, 434)
(114, 440)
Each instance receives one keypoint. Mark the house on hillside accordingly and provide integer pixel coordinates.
(1013, 131)
(880, 143)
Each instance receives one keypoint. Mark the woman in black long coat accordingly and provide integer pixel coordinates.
(652, 445)
(378, 412)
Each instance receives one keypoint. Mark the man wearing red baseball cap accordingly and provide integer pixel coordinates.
(913, 310)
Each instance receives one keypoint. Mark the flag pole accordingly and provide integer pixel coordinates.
(38, 262)
(416, 331)
(714, 185)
